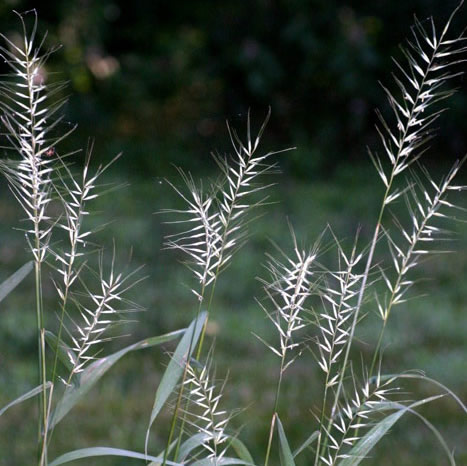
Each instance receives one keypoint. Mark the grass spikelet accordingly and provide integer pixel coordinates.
(205, 414)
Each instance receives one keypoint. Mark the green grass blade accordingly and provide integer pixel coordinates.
(306, 443)
(105, 451)
(409, 375)
(97, 369)
(161, 454)
(190, 444)
(14, 280)
(175, 368)
(26, 396)
(285, 452)
(241, 450)
(374, 435)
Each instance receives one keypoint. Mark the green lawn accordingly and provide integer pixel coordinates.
(427, 333)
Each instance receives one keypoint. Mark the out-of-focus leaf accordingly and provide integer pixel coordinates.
(175, 368)
(306, 443)
(361, 449)
(241, 450)
(106, 451)
(285, 452)
(7, 286)
(26, 396)
(191, 444)
(414, 375)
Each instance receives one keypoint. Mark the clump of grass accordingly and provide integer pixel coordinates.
(312, 306)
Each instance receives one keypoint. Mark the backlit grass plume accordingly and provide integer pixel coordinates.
(40, 178)
(205, 414)
(29, 116)
(216, 216)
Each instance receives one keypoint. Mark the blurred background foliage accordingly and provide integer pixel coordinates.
(158, 80)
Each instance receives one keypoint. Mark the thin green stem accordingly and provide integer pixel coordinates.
(43, 424)
(274, 414)
(59, 334)
(175, 417)
(198, 352)
(357, 310)
(378, 346)
(401, 148)
(325, 396)
(180, 395)
(422, 84)
(402, 270)
(203, 331)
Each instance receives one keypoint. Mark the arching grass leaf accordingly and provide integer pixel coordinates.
(241, 450)
(97, 369)
(361, 449)
(285, 452)
(26, 396)
(191, 444)
(175, 368)
(106, 451)
(7, 286)
(306, 443)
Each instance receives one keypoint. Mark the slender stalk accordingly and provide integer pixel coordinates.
(43, 459)
(404, 266)
(208, 309)
(43, 427)
(179, 398)
(357, 310)
(37, 263)
(294, 301)
(235, 193)
(326, 387)
(274, 414)
(403, 146)
(60, 328)
(177, 408)
(42, 364)
(175, 416)
(198, 355)
(378, 346)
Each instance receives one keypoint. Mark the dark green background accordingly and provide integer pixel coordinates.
(158, 79)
